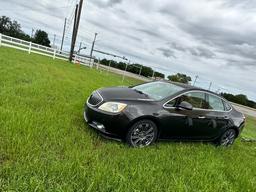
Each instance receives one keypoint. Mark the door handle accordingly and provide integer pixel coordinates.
(201, 117)
(226, 117)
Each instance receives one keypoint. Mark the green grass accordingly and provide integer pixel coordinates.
(250, 130)
(46, 146)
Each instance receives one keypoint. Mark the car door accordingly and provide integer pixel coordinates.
(188, 124)
(217, 113)
(174, 122)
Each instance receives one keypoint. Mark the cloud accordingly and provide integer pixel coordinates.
(167, 52)
(202, 52)
(149, 32)
(245, 64)
(106, 3)
(208, 38)
(195, 51)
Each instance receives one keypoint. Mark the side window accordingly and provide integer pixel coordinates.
(215, 103)
(196, 99)
(171, 103)
(227, 106)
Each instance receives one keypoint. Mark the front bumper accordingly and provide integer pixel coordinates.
(109, 125)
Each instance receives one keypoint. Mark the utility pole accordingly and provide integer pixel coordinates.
(140, 70)
(153, 75)
(75, 29)
(93, 43)
(80, 47)
(210, 86)
(32, 33)
(126, 65)
(195, 80)
(53, 44)
(98, 63)
(73, 36)
(63, 36)
(109, 64)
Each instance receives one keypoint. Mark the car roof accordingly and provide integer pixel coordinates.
(188, 87)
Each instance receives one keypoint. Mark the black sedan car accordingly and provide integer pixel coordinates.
(142, 114)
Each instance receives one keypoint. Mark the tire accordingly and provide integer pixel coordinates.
(142, 134)
(227, 138)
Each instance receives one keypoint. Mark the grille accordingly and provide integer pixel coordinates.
(95, 98)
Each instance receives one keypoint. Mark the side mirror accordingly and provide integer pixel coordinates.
(185, 105)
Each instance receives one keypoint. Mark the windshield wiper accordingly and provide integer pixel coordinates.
(140, 92)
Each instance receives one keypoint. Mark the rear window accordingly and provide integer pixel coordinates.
(227, 106)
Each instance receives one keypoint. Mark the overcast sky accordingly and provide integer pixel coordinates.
(214, 39)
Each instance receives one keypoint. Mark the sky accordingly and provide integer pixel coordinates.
(214, 39)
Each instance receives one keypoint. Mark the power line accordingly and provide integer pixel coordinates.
(195, 80)
(34, 9)
(54, 38)
(110, 54)
(210, 86)
(71, 17)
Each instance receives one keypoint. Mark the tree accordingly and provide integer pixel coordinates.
(12, 28)
(8, 27)
(161, 75)
(15, 29)
(182, 78)
(240, 99)
(133, 68)
(5, 24)
(41, 37)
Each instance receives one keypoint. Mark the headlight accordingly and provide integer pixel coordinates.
(113, 107)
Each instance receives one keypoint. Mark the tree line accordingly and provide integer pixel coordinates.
(240, 99)
(13, 29)
(133, 68)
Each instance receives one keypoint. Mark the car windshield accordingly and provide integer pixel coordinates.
(158, 90)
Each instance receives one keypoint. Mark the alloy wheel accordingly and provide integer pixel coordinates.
(143, 134)
(228, 138)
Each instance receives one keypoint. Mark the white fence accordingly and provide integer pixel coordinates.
(30, 47)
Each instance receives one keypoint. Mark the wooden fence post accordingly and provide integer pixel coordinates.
(0, 39)
(98, 63)
(29, 49)
(92, 63)
(74, 61)
(54, 54)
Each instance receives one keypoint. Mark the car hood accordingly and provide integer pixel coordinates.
(121, 93)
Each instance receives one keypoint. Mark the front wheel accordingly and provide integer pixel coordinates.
(227, 138)
(142, 133)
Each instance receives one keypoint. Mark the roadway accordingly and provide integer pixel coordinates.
(245, 110)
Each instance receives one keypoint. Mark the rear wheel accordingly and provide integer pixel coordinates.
(142, 133)
(227, 138)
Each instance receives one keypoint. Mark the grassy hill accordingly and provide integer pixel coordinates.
(46, 146)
